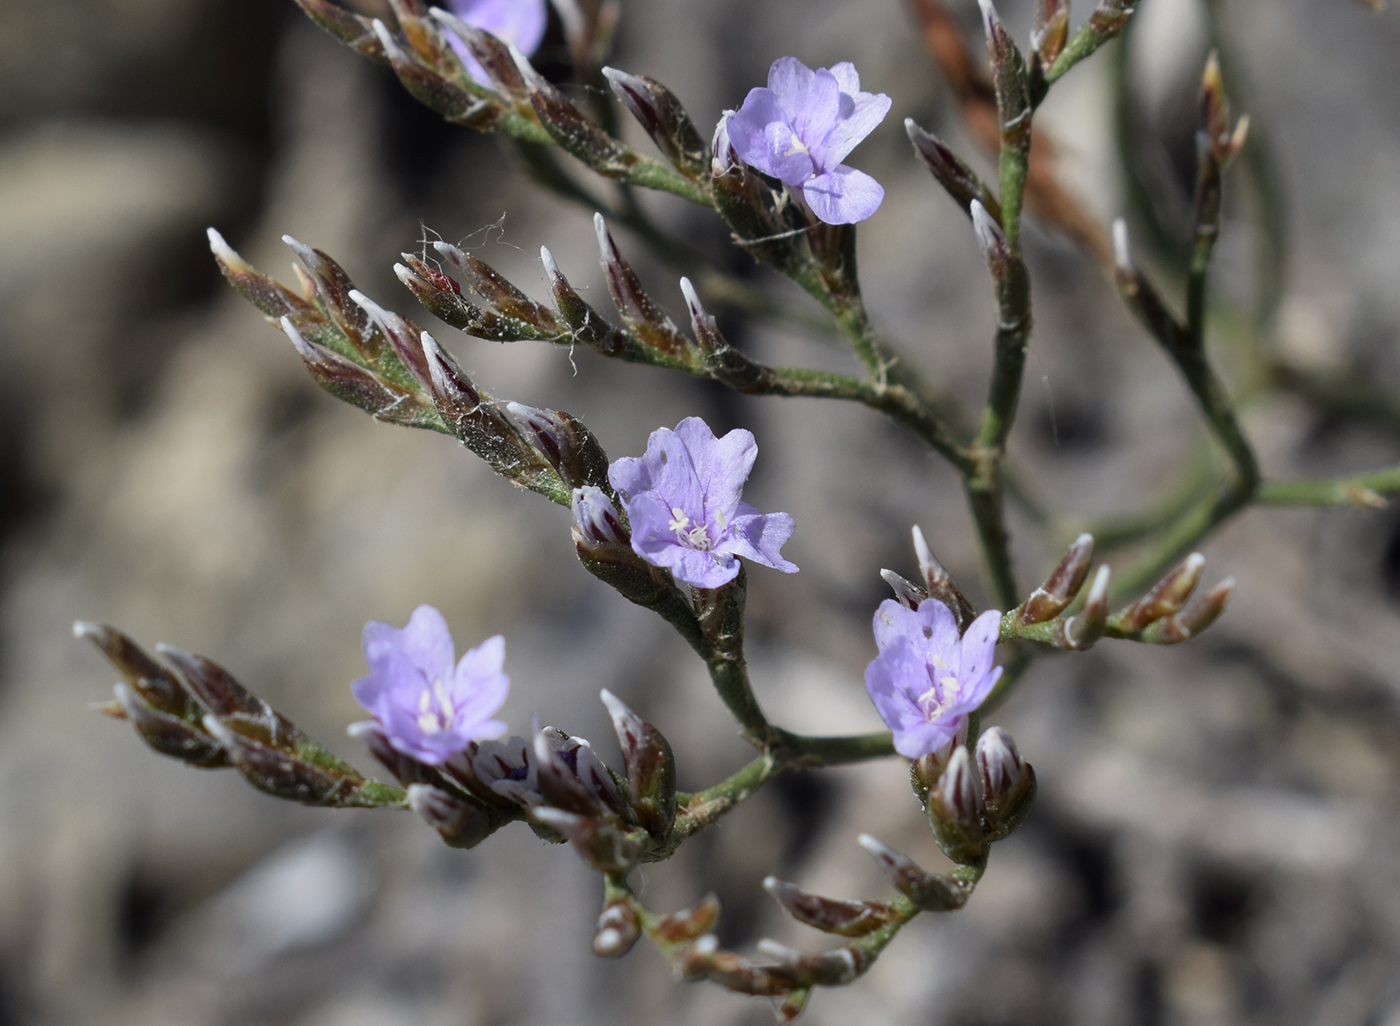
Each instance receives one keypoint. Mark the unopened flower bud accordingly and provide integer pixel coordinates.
(462, 823)
(1085, 627)
(927, 770)
(605, 847)
(648, 322)
(564, 443)
(586, 326)
(833, 968)
(651, 768)
(955, 810)
(426, 85)
(929, 891)
(664, 119)
(959, 180)
(1050, 29)
(597, 523)
(282, 774)
(571, 129)
(688, 924)
(1063, 584)
(1166, 597)
(1008, 782)
(493, 58)
(1199, 614)
(402, 334)
(170, 735)
(845, 918)
(618, 929)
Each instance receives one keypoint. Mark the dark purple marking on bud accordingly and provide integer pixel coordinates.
(618, 929)
(844, 918)
(664, 119)
(402, 334)
(334, 286)
(1060, 588)
(498, 293)
(152, 682)
(348, 381)
(586, 326)
(725, 363)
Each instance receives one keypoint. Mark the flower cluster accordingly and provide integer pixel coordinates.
(801, 126)
(926, 679)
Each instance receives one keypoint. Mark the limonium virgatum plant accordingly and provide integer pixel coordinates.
(668, 529)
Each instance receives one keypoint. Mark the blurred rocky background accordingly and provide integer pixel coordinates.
(1217, 838)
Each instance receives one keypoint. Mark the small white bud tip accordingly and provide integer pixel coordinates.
(303, 347)
(989, 14)
(1098, 591)
(605, 242)
(1083, 540)
(1194, 562)
(361, 727)
(547, 258)
(772, 884)
(692, 298)
(386, 40)
(873, 846)
(220, 248)
(707, 945)
(404, 274)
(1122, 254)
(778, 952)
(84, 629)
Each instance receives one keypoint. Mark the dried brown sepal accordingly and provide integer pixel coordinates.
(646, 321)
(1166, 597)
(688, 924)
(228, 701)
(1062, 586)
(931, 892)
(844, 918)
(664, 119)
(151, 681)
(957, 179)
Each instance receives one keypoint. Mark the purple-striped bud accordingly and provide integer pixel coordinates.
(940, 583)
(665, 120)
(959, 180)
(461, 822)
(651, 768)
(1008, 782)
(955, 810)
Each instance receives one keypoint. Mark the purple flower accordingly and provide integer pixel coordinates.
(682, 499)
(518, 22)
(426, 708)
(800, 128)
(926, 679)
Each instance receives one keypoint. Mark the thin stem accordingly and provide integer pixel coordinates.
(1364, 490)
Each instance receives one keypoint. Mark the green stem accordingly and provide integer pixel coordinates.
(1364, 490)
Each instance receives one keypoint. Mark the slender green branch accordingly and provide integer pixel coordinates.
(1364, 490)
